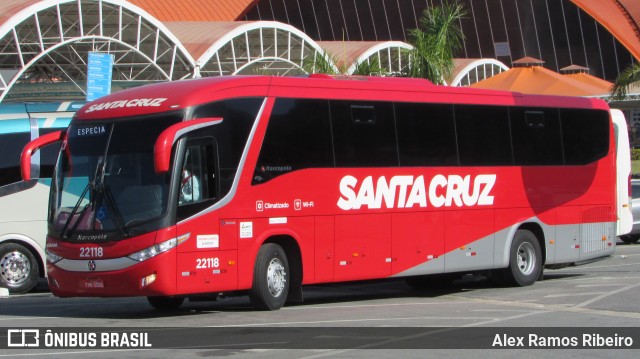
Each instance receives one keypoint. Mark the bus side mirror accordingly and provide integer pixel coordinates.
(168, 137)
(32, 147)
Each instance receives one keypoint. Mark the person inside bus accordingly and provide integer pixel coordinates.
(190, 184)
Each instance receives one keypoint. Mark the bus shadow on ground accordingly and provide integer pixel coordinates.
(340, 293)
(351, 292)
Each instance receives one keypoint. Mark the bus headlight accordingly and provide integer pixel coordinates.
(154, 250)
(52, 257)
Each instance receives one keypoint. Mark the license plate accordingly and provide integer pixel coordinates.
(92, 284)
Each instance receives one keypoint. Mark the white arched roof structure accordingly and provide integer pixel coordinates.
(392, 56)
(246, 47)
(470, 71)
(48, 41)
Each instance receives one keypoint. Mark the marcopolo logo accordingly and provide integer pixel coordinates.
(411, 191)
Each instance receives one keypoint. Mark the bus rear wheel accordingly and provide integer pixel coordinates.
(525, 260)
(270, 278)
(19, 270)
(165, 304)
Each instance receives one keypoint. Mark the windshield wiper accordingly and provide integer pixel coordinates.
(63, 233)
(90, 186)
(113, 208)
(99, 192)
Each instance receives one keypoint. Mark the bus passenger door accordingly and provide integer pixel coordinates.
(362, 247)
(206, 261)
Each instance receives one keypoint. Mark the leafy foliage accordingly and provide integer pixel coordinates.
(435, 42)
(323, 63)
(627, 77)
(320, 63)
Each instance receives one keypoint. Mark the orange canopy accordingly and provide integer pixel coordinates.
(591, 80)
(542, 81)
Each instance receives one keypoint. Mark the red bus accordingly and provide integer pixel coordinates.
(259, 185)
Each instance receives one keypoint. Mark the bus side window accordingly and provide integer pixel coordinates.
(426, 134)
(198, 182)
(483, 135)
(585, 135)
(298, 137)
(536, 136)
(11, 145)
(364, 134)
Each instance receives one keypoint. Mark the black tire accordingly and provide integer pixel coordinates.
(270, 278)
(630, 239)
(525, 260)
(19, 269)
(166, 304)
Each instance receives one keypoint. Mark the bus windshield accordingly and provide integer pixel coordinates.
(105, 185)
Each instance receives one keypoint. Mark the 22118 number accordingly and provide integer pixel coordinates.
(204, 263)
(90, 252)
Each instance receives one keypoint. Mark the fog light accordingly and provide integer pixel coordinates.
(147, 280)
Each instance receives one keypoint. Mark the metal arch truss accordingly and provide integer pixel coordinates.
(631, 97)
(478, 70)
(392, 58)
(260, 48)
(50, 44)
(270, 66)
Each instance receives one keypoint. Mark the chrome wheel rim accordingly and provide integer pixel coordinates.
(526, 258)
(15, 268)
(276, 277)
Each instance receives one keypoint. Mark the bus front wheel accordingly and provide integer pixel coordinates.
(19, 270)
(525, 260)
(270, 278)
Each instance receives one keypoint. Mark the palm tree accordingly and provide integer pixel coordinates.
(324, 63)
(627, 77)
(371, 67)
(320, 63)
(435, 42)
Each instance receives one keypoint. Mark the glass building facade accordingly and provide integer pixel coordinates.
(555, 31)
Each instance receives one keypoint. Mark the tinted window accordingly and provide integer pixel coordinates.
(426, 135)
(585, 135)
(635, 191)
(364, 134)
(483, 135)
(231, 135)
(11, 145)
(536, 136)
(199, 187)
(298, 136)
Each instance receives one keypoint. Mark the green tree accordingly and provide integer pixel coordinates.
(435, 42)
(627, 77)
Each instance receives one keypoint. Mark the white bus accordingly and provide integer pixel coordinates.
(23, 205)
